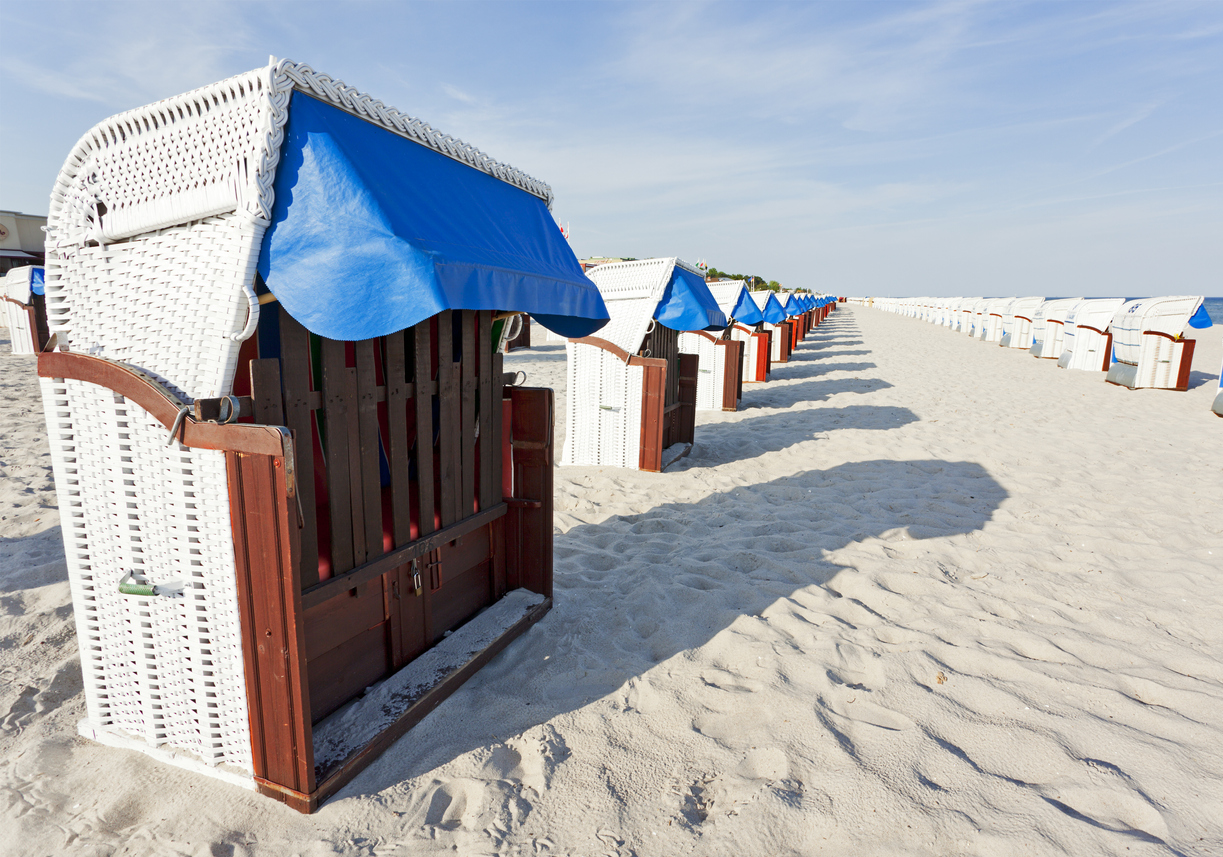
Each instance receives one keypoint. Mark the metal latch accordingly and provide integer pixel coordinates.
(417, 587)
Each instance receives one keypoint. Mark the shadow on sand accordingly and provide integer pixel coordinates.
(636, 590)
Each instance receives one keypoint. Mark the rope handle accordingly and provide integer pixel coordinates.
(252, 315)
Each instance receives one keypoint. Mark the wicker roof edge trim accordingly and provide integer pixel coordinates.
(108, 190)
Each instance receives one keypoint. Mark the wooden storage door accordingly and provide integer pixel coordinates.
(385, 467)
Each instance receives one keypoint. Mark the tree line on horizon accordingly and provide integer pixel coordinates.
(753, 281)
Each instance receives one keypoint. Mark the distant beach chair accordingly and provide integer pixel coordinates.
(746, 326)
(973, 317)
(1087, 338)
(300, 504)
(961, 321)
(993, 316)
(777, 324)
(1049, 327)
(1017, 323)
(632, 390)
(1149, 348)
(25, 309)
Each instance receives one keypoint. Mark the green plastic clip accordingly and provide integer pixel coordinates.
(129, 586)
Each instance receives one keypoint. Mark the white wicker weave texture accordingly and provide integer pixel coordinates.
(631, 291)
(603, 424)
(165, 668)
(21, 338)
(711, 374)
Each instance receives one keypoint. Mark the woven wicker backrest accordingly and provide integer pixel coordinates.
(631, 291)
(1167, 315)
(726, 294)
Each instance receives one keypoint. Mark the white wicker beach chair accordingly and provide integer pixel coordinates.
(1049, 327)
(780, 333)
(632, 392)
(974, 312)
(1149, 347)
(210, 633)
(1017, 323)
(724, 358)
(25, 309)
(1087, 338)
(993, 318)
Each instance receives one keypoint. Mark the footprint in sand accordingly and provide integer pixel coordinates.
(856, 667)
(1119, 811)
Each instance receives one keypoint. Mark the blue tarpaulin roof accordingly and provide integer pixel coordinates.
(687, 304)
(1201, 319)
(37, 282)
(773, 312)
(746, 310)
(372, 233)
(792, 307)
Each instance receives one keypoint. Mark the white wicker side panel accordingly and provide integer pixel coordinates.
(750, 343)
(992, 329)
(710, 374)
(1159, 362)
(603, 425)
(19, 333)
(1021, 333)
(166, 669)
(166, 302)
(1087, 350)
(775, 356)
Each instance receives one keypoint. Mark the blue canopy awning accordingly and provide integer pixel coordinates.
(746, 310)
(1200, 319)
(773, 311)
(372, 233)
(38, 282)
(687, 304)
(792, 307)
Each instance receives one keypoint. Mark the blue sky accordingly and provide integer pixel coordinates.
(1055, 148)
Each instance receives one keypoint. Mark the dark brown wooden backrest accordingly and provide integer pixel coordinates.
(663, 343)
(359, 402)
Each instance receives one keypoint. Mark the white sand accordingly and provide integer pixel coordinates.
(922, 595)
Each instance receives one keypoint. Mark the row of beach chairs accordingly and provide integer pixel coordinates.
(675, 344)
(1140, 344)
(301, 501)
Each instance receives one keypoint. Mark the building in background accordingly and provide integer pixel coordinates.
(21, 239)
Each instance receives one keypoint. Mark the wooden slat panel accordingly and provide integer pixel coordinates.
(448, 419)
(467, 442)
(490, 449)
(278, 690)
(380, 566)
(424, 426)
(653, 387)
(498, 417)
(397, 429)
(371, 472)
(266, 393)
(340, 674)
(356, 491)
(533, 465)
(335, 420)
(341, 618)
(689, 366)
(295, 378)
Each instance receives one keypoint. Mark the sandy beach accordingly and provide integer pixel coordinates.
(920, 595)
